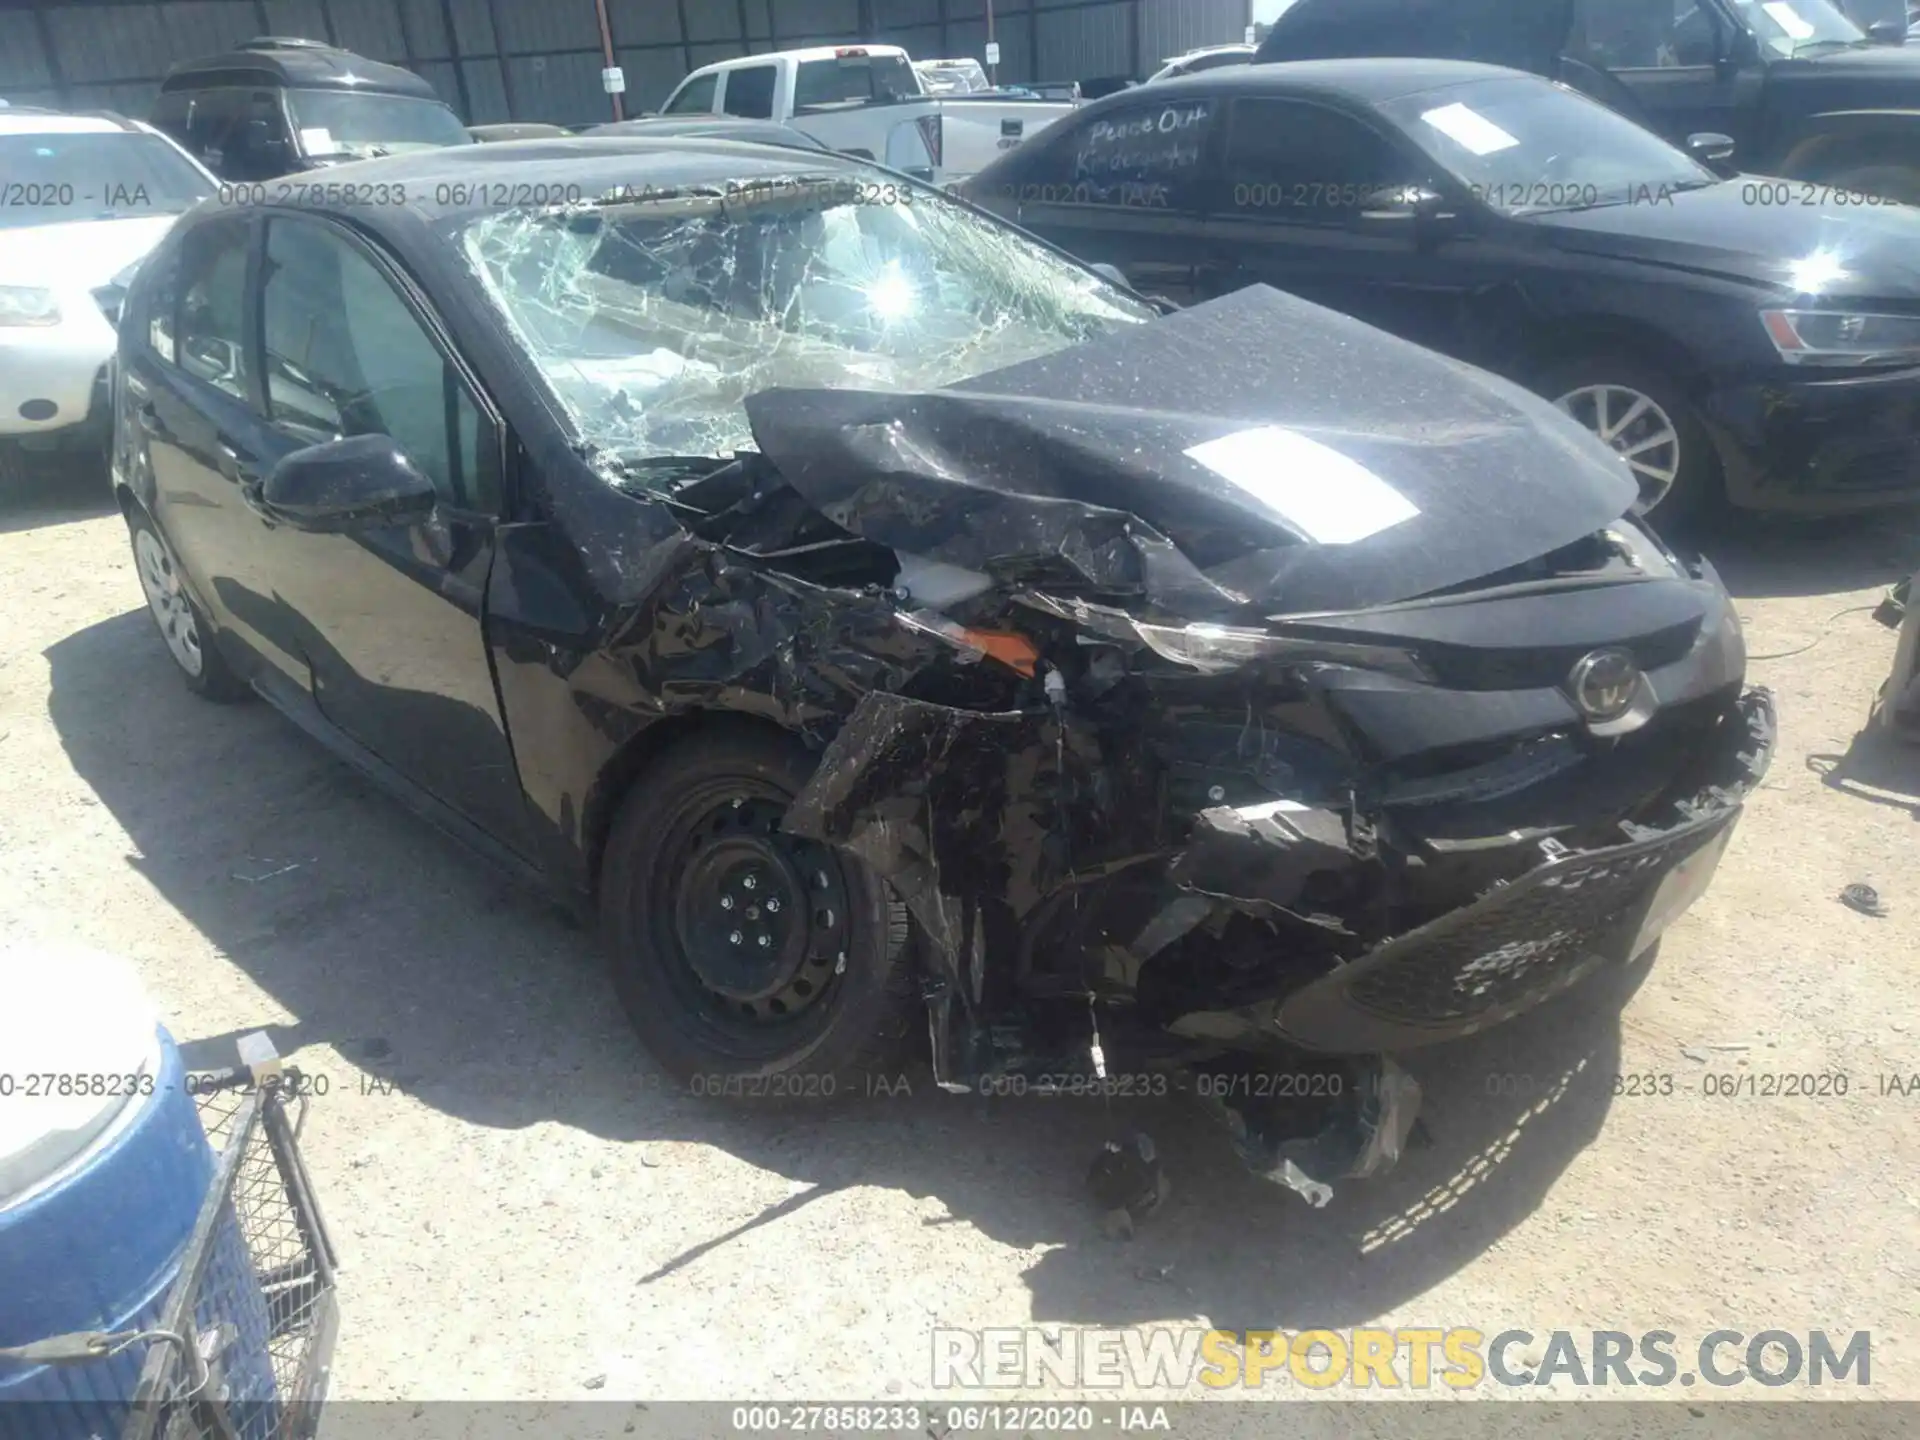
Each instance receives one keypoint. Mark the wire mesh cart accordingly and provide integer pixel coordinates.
(245, 1340)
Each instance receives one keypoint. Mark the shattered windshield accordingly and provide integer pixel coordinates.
(654, 319)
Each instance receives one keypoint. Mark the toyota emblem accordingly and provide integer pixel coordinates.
(1604, 683)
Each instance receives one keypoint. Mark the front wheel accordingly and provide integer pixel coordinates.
(1644, 416)
(750, 962)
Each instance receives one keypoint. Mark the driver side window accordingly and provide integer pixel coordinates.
(345, 354)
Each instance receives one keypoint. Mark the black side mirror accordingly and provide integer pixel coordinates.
(1710, 148)
(1887, 32)
(361, 481)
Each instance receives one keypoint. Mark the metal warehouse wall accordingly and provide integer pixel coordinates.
(541, 59)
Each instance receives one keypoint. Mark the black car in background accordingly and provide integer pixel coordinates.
(280, 106)
(1723, 336)
(895, 628)
(1802, 91)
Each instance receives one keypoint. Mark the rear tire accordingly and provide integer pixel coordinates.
(751, 963)
(1673, 459)
(183, 629)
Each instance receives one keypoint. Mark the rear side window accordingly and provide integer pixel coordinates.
(157, 296)
(1144, 156)
(853, 77)
(749, 92)
(212, 116)
(695, 98)
(212, 328)
(170, 113)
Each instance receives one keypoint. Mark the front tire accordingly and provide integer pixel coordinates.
(188, 638)
(1643, 414)
(750, 962)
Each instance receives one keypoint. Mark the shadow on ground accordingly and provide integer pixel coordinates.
(1877, 767)
(56, 488)
(1760, 557)
(419, 966)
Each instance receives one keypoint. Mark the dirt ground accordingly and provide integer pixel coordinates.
(525, 1211)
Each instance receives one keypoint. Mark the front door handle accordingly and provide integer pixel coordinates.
(148, 418)
(234, 464)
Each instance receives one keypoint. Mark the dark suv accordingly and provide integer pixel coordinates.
(277, 106)
(1801, 89)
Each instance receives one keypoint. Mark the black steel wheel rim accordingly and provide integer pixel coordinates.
(753, 922)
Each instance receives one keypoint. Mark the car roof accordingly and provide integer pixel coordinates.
(801, 56)
(1371, 81)
(49, 122)
(306, 64)
(718, 127)
(1195, 53)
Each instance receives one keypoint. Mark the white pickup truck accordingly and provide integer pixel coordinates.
(868, 100)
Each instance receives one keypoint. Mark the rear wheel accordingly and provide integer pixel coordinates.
(181, 626)
(1644, 416)
(750, 962)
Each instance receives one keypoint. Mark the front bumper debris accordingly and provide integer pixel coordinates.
(1525, 940)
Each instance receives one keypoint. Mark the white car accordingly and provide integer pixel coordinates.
(83, 198)
(1207, 57)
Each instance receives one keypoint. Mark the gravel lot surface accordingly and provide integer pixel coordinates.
(525, 1211)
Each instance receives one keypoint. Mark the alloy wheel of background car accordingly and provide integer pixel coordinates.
(1637, 429)
(741, 952)
(201, 665)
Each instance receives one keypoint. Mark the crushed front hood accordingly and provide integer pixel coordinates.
(1255, 451)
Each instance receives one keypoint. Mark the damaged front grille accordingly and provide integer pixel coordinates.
(1530, 938)
(1522, 942)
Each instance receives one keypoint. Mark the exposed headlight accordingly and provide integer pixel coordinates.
(1837, 337)
(28, 305)
(1217, 648)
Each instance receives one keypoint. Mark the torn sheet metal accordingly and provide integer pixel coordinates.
(1142, 466)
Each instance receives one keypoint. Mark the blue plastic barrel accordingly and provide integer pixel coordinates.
(103, 1170)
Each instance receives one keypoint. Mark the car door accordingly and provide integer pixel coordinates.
(390, 617)
(1122, 189)
(202, 433)
(1312, 200)
(1675, 57)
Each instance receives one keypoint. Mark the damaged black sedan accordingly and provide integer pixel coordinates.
(895, 629)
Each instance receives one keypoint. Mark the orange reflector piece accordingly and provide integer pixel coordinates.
(1016, 652)
(1782, 331)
